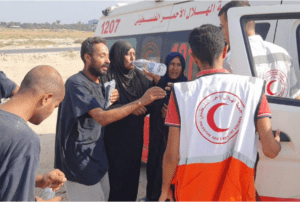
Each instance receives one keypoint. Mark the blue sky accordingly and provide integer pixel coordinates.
(49, 11)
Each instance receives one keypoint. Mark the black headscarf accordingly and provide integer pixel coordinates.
(166, 78)
(130, 83)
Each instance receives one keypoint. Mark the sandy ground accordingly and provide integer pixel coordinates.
(41, 38)
(16, 66)
(40, 43)
(67, 63)
(63, 45)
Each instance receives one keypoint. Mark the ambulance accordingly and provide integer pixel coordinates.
(156, 28)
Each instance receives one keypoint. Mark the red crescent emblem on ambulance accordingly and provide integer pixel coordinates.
(210, 118)
(269, 88)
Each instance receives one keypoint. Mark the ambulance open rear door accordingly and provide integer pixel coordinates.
(279, 177)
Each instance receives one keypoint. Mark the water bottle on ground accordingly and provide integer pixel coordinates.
(153, 67)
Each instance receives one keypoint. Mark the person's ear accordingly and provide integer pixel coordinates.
(225, 51)
(46, 99)
(195, 59)
(87, 59)
(193, 56)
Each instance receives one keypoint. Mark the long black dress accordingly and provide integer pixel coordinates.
(124, 144)
(159, 133)
(124, 138)
(158, 138)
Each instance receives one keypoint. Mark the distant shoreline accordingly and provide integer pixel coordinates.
(41, 38)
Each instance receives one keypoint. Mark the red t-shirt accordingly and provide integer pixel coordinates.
(172, 118)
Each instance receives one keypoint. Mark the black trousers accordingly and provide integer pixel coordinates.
(124, 143)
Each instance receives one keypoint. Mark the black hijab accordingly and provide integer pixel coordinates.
(166, 78)
(130, 83)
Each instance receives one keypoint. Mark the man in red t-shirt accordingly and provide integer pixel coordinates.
(208, 52)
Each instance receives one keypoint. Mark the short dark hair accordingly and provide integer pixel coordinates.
(232, 4)
(207, 43)
(88, 45)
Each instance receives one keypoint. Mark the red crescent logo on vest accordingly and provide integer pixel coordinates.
(277, 83)
(219, 116)
(210, 118)
(269, 87)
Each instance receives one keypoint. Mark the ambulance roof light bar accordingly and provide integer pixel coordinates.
(108, 10)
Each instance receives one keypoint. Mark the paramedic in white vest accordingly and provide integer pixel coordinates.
(212, 145)
(272, 62)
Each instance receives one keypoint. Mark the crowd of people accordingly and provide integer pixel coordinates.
(99, 131)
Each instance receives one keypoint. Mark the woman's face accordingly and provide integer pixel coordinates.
(175, 68)
(129, 57)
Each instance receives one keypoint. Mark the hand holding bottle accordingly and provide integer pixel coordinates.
(152, 67)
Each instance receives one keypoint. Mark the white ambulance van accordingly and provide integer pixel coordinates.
(156, 28)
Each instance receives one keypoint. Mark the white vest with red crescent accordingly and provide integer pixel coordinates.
(217, 115)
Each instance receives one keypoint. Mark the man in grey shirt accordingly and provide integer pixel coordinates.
(40, 93)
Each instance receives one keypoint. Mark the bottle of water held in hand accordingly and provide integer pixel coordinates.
(47, 193)
(153, 67)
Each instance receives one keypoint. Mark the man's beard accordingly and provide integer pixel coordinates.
(95, 71)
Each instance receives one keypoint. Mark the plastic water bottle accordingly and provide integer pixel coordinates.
(47, 193)
(153, 67)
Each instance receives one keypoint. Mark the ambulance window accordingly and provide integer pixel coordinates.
(275, 62)
(298, 43)
(110, 42)
(262, 29)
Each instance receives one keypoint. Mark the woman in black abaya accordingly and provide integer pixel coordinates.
(124, 138)
(158, 131)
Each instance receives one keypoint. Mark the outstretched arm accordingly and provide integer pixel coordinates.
(106, 117)
(271, 146)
